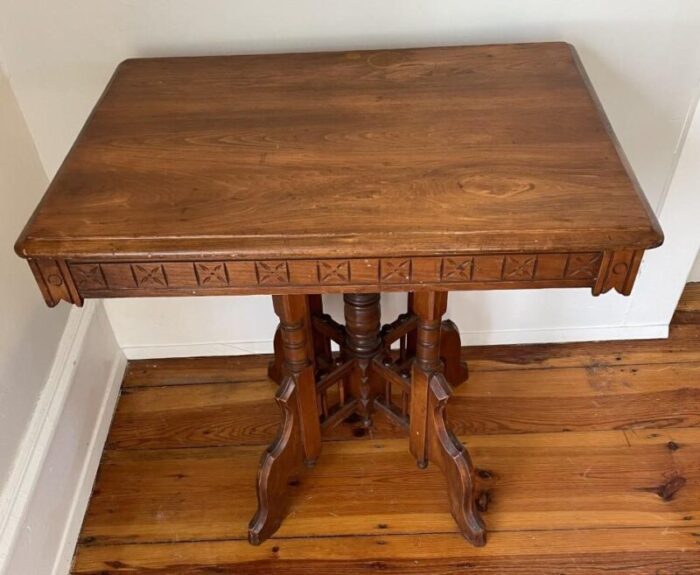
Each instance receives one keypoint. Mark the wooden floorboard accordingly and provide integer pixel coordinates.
(656, 551)
(540, 481)
(588, 458)
(688, 309)
(681, 345)
(188, 370)
(509, 401)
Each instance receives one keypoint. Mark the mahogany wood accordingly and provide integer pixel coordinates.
(299, 438)
(362, 342)
(280, 462)
(294, 175)
(367, 375)
(429, 308)
(321, 345)
(446, 451)
(275, 369)
(455, 370)
(295, 330)
(283, 173)
(73, 280)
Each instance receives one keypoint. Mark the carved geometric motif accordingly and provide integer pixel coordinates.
(334, 271)
(211, 274)
(582, 266)
(519, 267)
(272, 272)
(149, 275)
(457, 269)
(488, 268)
(88, 276)
(395, 270)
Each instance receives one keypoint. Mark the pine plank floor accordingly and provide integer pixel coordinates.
(588, 458)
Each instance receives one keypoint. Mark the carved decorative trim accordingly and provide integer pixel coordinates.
(55, 282)
(88, 276)
(519, 267)
(334, 271)
(338, 272)
(584, 266)
(456, 269)
(272, 272)
(395, 270)
(74, 280)
(149, 275)
(211, 274)
(618, 271)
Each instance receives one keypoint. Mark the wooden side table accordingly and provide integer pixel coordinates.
(422, 171)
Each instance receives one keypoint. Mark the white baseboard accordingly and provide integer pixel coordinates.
(46, 495)
(203, 349)
(598, 333)
(564, 335)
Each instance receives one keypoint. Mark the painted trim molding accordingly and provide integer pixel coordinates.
(56, 464)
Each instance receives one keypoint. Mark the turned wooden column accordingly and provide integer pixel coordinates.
(297, 347)
(319, 345)
(362, 342)
(429, 307)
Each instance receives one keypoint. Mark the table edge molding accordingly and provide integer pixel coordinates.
(73, 280)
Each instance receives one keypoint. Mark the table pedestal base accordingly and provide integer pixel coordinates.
(319, 390)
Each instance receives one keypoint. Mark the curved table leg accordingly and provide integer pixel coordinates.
(282, 460)
(430, 439)
(299, 439)
(446, 451)
(437, 361)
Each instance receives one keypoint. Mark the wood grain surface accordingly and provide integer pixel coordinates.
(370, 154)
(587, 457)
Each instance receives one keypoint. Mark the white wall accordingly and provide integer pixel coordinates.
(29, 331)
(694, 275)
(656, 296)
(46, 502)
(643, 58)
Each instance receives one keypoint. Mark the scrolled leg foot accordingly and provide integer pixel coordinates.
(280, 462)
(446, 451)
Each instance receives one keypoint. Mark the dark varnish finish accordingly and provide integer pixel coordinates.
(422, 171)
(366, 376)
(481, 167)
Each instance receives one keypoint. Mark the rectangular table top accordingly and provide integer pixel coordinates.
(478, 167)
(381, 153)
